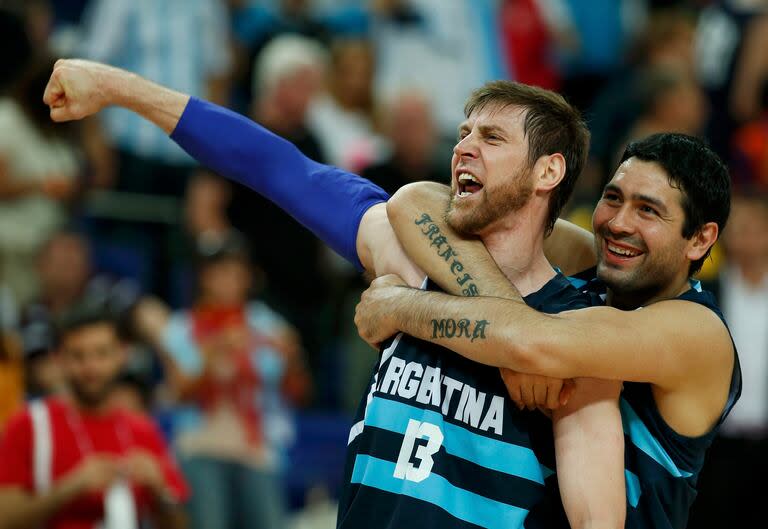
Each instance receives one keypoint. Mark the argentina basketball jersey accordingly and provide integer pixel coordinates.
(439, 443)
(661, 466)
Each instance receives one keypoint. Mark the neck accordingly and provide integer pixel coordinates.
(517, 247)
(84, 407)
(641, 298)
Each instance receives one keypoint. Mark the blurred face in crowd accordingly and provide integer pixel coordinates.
(295, 92)
(91, 358)
(225, 282)
(411, 129)
(746, 237)
(351, 78)
(491, 176)
(638, 225)
(683, 107)
(64, 265)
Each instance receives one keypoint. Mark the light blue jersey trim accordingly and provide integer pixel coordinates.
(576, 282)
(484, 451)
(435, 489)
(633, 488)
(643, 439)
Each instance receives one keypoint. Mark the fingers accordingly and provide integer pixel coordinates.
(526, 393)
(540, 392)
(569, 387)
(553, 396)
(508, 377)
(54, 92)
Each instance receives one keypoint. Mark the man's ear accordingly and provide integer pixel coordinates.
(702, 241)
(549, 171)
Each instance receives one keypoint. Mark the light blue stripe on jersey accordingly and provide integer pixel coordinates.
(576, 282)
(645, 441)
(633, 488)
(437, 490)
(484, 451)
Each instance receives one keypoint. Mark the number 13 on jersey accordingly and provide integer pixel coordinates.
(419, 470)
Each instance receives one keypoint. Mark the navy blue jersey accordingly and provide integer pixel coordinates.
(662, 466)
(439, 444)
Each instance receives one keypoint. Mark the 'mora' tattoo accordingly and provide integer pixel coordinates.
(444, 250)
(450, 328)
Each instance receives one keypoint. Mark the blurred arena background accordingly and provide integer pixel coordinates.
(111, 213)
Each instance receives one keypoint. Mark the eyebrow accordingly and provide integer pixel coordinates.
(655, 202)
(485, 130)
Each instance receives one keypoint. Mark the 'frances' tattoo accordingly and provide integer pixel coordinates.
(446, 251)
(464, 328)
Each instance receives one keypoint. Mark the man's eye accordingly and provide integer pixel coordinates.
(648, 209)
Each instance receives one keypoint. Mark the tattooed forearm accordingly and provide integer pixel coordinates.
(446, 251)
(463, 328)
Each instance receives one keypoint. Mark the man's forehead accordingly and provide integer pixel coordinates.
(644, 177)
(498, 114)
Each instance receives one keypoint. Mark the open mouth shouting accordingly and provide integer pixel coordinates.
(467, 185)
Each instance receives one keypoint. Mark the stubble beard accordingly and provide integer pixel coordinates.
(473, 220)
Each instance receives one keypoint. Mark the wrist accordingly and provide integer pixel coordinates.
(70, 487)
(114, 87)
(396, 314)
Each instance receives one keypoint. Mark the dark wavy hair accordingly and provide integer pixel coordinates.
(699, 174)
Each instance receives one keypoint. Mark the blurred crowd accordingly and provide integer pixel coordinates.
(238, 322)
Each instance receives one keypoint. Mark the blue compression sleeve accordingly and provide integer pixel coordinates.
(328, 201)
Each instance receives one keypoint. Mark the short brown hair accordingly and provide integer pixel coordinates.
(551, 124)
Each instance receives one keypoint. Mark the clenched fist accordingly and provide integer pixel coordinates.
(77, 89)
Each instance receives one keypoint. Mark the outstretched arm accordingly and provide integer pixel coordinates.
(329, 201)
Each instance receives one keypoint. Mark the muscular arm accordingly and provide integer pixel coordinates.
(417, 213)
(588, 432)
(329, 201)
(589, 449)
(681, 348)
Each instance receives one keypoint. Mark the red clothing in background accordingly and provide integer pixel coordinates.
(74, 435)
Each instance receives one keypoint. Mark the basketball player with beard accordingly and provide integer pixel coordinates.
(437, 438)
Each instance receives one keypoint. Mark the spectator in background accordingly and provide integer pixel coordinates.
(38, 178)
(236, 364)
(77, 462)
(343, 117)
(671, 101)
(254, 25)
(42, 374)
(731, 39)
(665, 45)
(604, 31)
(288, 75)
(67, 281)
(749, 163)
(179, 43)
(410, 129)
(743, 443)
(444, 49)
(529, 41)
